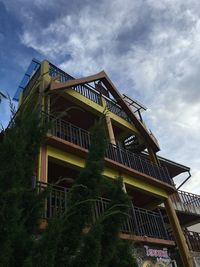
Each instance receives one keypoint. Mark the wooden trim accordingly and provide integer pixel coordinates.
(178, 233)
(139, 239)
(110, 130)
(43, 164)
(118, 97)
(146, 239)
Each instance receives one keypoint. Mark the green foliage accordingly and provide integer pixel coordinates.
(89, 253)
(85, 190)
(20, 205)
(117, 211)
(63, 243)
(123, 255)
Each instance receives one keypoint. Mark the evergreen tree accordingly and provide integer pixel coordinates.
(81, 197)
(20, 205)
(123, 255)
(63, 242)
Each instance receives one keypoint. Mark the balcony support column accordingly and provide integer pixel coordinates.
(152, 156)
(110, 131)
(45, 81)
(112, 138)
(42, 166)
(178, 233)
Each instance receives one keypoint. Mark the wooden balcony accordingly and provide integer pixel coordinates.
(140, 222)
(81, 137)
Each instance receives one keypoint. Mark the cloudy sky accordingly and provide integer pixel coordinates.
(149, 48)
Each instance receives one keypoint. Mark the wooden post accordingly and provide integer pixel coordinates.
(178, 233)
(46, 79)
(110, 130)
(152, 156)
(43, 163)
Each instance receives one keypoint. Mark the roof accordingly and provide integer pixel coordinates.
(102, 76)
(173, 167)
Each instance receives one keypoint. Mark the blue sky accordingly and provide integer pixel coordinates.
(149, 48)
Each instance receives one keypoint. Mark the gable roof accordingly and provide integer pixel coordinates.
(102, 76)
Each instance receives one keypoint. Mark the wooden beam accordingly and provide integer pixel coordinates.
(178, 233)
(146, 239)
(102, 76)
(110, 130)
(43, 164)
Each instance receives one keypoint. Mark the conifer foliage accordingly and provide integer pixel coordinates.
(73, 238)
(20, 205)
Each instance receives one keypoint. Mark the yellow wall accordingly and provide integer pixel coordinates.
(97, 109)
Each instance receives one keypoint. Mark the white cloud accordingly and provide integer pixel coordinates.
(4, 113)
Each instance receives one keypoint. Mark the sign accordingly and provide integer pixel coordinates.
(158, 253)
(153, 257)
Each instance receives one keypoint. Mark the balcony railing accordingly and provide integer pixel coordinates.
(81, 137)
(139, 221)
(189, 198)
(185, 201)
(85, 90)
(89, 92)
(60, 74)
(193, 240)
(116, 109)
(33, 80)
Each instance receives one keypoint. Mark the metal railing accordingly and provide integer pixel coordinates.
(193, 240)
(189, 198)
(85, 90)
(81, 137)
(60, 74)
(137, 162)
(187, 202)
(56, 201)
(89, 92)
(149, 223)
(139, 221)
(116, 109)
(31, 83)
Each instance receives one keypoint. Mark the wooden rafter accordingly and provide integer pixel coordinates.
(102, 76)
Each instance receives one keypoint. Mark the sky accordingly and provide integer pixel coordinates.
(149, 48)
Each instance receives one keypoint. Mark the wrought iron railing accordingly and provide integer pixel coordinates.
(88, 91)
(85, 90)
(56, 200)
(149, 223)
(33, 80)
(139, 221)
(81, 137)
(189, 198)
(116, 109)
(59, 74)
(186, 201)
(193, 240)
(137, 162)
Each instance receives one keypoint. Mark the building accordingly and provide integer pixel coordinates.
(160, 213)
